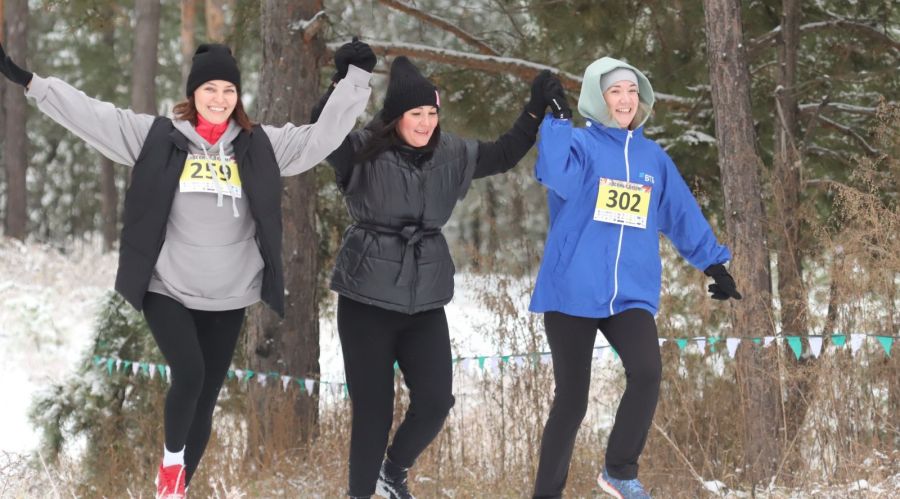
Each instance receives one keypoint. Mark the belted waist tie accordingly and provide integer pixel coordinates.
(411, 234)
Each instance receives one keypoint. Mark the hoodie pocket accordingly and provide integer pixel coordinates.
(565, 252)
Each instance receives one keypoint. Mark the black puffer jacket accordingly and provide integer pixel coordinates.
(394, 255)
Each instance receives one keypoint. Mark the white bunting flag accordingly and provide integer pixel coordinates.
(310, 385)
(135, 368)
(815, 345)
(118, 364)
(546, 359)
(240, 374)
(662, 341)
(732, 344)
(169, 374)
(285, 381)
(701, 344)
(767, 340)
(261, 379)
(856, 341)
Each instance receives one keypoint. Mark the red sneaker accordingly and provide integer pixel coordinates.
(170, 482)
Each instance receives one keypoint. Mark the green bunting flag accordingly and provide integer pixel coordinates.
(886, 342)
(796, 345)
(494, 363)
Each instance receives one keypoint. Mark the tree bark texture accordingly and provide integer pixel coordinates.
(289, 87)
(15, 147)
(188, 40)
(740, 165)
(786, 178)
(146, 43)
(215, 20)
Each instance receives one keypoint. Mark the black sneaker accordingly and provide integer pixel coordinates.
(392, 481)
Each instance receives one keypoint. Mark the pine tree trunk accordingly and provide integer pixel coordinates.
(740, 165)
(109, 193)
(15, 147)
(188, 40)
(786, 181)
(144, 60)
(215, 20)
(289, 87)
(786, 190)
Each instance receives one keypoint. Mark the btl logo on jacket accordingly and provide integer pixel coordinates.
(646, 177)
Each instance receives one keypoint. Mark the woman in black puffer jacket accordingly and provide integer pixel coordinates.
(401, 178)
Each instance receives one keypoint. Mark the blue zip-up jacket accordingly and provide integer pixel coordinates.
(597, 269)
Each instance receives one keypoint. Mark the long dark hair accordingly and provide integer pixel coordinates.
(384, 137)
(187, 110)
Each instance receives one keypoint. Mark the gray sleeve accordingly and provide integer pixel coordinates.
(299, 148)
(117, 133)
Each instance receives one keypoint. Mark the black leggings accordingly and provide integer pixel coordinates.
(198, 346)
(372, 338)
(633, 334)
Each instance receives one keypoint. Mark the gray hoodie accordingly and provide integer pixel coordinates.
(210, 259)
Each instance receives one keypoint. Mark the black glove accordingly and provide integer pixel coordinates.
(354, 52)
(536, 104)
(556, 99)
(364, 57)
(14, 73)
(724, 287)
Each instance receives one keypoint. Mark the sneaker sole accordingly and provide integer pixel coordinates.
(608, 488)
(381, 490)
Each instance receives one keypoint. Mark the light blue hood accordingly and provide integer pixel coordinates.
(591, 103)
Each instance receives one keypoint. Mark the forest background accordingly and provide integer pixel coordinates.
(781, 115)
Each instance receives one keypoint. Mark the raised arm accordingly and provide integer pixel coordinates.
(560, 164)
(117, 133)
(299, 148)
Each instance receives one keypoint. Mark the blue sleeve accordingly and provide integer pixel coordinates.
(560, 163)
(681, 220)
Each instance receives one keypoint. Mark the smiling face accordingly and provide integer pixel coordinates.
(622, 101)
(417, 125)
(215, 100)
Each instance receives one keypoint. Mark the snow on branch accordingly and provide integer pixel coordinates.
(839, 106)
(310, 27)
(851, 133)
(442, 23)
(495, 64)
(769, 39)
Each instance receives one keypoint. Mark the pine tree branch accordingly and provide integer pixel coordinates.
(442, 23)
(839, 106)
(768, 40)
(525, 70)
(851, 133)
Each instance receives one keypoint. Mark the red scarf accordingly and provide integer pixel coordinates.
(209, 131)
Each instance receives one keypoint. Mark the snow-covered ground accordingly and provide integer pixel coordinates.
(47, 306)
(48, 301)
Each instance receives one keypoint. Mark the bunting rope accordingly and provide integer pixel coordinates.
(493, 362)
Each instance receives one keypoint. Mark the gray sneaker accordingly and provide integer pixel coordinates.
(392, 481)
(621, 489)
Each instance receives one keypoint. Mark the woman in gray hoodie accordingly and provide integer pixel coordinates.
(190, 262)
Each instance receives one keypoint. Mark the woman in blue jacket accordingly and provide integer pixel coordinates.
(610, 191)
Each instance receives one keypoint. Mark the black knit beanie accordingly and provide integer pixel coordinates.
(407, 88)
(213, 61)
